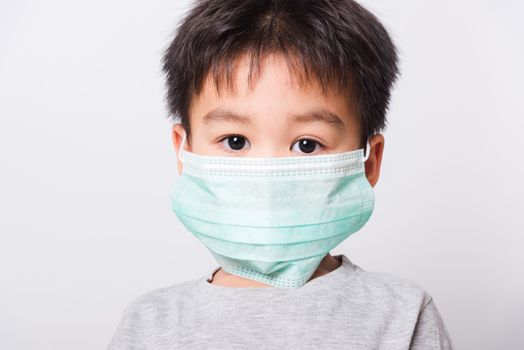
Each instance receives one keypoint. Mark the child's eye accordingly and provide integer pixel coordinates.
(234, 143)
(307, 146)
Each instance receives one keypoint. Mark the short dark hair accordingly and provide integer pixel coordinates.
(339, 42)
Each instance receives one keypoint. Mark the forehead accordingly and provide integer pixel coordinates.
(241, 76)
(276, 84)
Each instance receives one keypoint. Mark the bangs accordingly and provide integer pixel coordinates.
(304, 70)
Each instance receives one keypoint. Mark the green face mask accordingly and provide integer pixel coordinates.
(272, 219)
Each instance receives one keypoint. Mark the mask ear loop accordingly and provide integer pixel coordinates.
(368, 150)
(181, 148)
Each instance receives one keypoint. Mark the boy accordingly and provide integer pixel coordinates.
(277, 169)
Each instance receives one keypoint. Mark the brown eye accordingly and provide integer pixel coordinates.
(234, 143)
(307, 146)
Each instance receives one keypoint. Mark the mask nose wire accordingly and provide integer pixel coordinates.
(181, 148)
(368, 149)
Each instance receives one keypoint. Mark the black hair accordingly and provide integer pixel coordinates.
(338, 42)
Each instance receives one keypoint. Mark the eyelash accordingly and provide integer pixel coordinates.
(229, 151)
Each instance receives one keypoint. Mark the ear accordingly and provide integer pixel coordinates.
(177, 132)
(374, 161)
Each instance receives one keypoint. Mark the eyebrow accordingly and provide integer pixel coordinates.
(320, 114)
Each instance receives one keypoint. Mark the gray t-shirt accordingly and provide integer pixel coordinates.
(348, 308)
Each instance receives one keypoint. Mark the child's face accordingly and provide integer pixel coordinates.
(274, 119)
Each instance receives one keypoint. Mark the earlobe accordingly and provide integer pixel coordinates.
(375, 159)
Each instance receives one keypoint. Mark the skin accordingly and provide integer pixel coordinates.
(270, 130)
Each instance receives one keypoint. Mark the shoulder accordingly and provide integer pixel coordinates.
(400, 302)
(158, 299)
(147, 318)
(387, 287)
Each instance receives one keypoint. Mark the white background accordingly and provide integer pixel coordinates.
(87, 164)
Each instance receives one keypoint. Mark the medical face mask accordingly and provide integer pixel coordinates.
(272, 219)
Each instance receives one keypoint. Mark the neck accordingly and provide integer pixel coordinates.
(225, 279)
